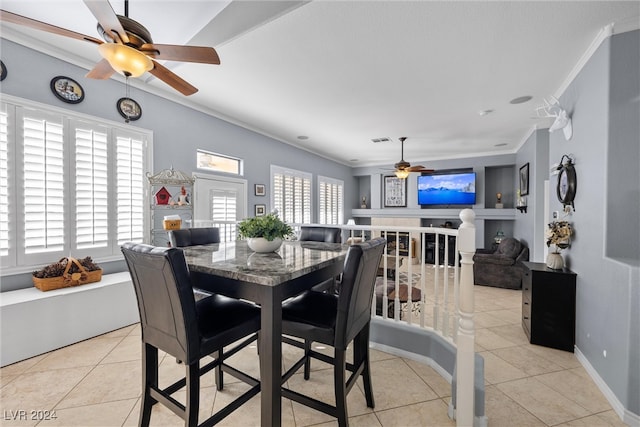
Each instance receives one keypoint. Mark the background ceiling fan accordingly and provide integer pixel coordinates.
(128, 47)
(403, 168)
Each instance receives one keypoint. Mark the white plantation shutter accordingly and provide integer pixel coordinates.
(69, 185)
(291, 194)
(224, 208)
(91, 186)
(130, 167)
(331, 200)
(5, 240)
(43, 183)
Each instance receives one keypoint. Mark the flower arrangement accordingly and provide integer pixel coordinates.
(559, 234)
(267, 226)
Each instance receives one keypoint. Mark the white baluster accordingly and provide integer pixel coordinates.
(465, 369)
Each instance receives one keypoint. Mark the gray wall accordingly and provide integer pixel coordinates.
(603, 101)
(177, 131)
(530, 226)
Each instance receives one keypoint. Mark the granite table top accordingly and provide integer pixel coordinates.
(234, 260)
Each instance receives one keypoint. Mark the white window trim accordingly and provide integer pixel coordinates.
(12, 264)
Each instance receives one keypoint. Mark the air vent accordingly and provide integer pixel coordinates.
(378, 140)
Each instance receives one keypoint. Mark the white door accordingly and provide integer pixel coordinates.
(219, 202)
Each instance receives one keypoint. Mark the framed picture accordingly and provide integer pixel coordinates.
(261, 210)
(67, 90)
(260, 190)
(524, 180)
(395, 192)
(129, 109)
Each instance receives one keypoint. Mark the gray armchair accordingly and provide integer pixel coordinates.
(502, 267)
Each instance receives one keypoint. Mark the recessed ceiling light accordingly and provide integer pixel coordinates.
(485, 112)
(502, 144)
(303, 137)
(520, 99)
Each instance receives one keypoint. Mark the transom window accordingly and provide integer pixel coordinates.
(69, 185)
(218, 162)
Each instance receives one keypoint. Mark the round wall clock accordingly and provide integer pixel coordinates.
(129, 109)
(3, 71)
(567, 184)
(67, 90)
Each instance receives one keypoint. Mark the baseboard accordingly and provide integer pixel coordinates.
(625, 415)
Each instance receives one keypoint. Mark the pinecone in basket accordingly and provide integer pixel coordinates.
(57, 268)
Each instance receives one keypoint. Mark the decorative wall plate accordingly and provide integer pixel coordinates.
(67, 90)
(3, 71)
(129, 109)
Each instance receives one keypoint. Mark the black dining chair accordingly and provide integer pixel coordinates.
(194, 236)
(189, 330)
(336, 320)
(322, 234)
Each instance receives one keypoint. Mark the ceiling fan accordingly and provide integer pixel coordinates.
(128, 48)
(403, 168)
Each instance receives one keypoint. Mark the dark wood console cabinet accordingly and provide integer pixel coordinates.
(549, 306)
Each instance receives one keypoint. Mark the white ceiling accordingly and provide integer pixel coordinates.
(344, 72)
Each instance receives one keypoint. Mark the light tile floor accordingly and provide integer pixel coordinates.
(97, 383)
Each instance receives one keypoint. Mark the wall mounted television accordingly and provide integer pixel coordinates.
(444, 189)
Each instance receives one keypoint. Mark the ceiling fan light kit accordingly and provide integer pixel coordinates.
(129, 49)
(404, 168)
(125, 60)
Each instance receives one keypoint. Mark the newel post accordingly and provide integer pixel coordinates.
(466, 329)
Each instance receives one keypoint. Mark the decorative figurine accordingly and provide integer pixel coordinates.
(499, 204)
(182, 198)
(364, 202)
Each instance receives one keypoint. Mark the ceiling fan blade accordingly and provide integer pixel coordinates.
(42, 26)
(107, 19)
(419, 169)
(170, 78)
(101, 71)
(172, 52)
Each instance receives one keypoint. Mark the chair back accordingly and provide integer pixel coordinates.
(165, 299)
(194, 236)
(356, 291)
(321, 234)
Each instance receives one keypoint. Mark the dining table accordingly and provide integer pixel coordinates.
(234, 270)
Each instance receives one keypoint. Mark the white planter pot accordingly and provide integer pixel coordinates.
(555, 261)
(262, 245)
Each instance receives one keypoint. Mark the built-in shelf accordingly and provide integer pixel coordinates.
(481, 213)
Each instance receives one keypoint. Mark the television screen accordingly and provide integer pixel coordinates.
(458, 188)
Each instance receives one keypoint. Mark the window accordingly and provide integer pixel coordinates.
(291, 195)
(224, 208)
(68, 186)
(330, 200)
(218, 162)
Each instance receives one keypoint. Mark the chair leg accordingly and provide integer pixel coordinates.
(307, 359)
(339, 385)
(361, 355)
(218, 370)
(192, 406)
(149, 379)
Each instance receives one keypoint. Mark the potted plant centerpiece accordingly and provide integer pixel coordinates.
(264, 233)
(559, 235)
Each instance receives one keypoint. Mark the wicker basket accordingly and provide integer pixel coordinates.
(68, 279)
(172, 224)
